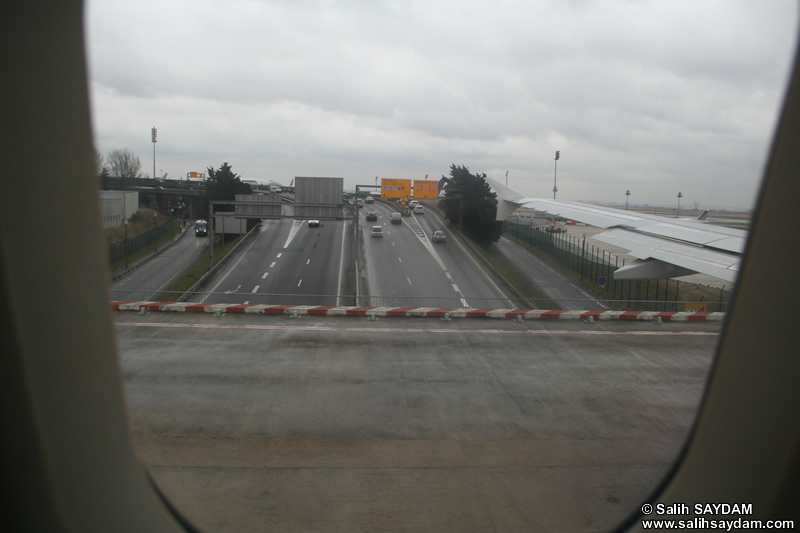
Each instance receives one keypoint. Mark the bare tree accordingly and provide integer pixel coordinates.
(122, 163)
(99, 162)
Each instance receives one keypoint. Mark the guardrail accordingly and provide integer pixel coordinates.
(414, 301)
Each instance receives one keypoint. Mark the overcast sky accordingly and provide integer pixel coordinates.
(658, 97)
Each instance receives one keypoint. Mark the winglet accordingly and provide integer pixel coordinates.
(508, 200)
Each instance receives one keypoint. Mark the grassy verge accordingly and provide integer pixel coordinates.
(517, 279)
(200, 267)
(142, 252)
(143, 221)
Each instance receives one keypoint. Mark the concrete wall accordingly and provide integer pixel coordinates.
(117, 207)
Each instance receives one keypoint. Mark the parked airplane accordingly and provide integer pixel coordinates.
(664, 247)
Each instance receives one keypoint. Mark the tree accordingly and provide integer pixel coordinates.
(122, 163)
(99, 162)
(470, 204)
(223, 184)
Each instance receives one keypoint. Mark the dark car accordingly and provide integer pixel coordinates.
(372, 215)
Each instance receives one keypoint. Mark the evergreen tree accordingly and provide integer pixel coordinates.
(470, 204)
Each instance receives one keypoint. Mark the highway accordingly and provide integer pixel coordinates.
(405, 268)
(161, 270)
(283, 263)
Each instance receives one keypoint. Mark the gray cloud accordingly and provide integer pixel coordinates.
(653, 96)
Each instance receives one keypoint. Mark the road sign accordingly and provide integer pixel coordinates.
(602, 280)
(426, 190)
(394, 188)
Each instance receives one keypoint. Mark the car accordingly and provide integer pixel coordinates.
(438, 236)
(360, 202)
(377, 231)
(419, 210)
(313, 223)
(372, 215)
(370, 200)
(201, 228)
(397, 218)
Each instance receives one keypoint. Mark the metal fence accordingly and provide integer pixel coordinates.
(148, 239)
(591, 263)
(410, 301)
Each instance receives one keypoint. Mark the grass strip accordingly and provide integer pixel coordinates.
(512, 274)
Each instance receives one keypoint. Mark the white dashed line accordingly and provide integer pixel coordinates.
(255, 289)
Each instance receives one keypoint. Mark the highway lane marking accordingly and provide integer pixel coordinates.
(273, 264)
(292, 232)
(299, 282)
(409, 281)
(648, 333)
(278, 256)
(307, 262)
(263, 276)
(255, 289)
(400, 259)
(229, 271)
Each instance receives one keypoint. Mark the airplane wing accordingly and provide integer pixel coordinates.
(664, 247)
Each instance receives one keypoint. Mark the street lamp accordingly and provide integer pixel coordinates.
(154, 138)
(680, 195)
(125, 244)
(555, 169)
(627, 194)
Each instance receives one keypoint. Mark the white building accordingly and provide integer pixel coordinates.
(117, 207)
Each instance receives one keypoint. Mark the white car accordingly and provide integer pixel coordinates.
(377, 231)
(438, 236)
(419, 210)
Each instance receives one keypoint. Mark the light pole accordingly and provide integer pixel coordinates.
(627, 194)
(680, 195)
(154, 138)
(126, 244)
(555, 170)
(506, 178)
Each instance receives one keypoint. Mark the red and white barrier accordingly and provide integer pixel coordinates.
(435, 312)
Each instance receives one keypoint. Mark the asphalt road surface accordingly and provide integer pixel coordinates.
(265, 423)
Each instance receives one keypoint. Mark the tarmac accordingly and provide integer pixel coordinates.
(254, 422)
